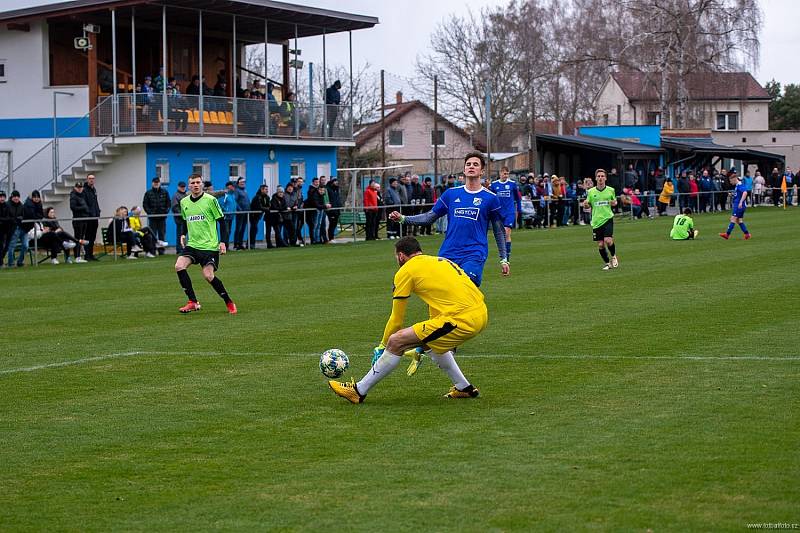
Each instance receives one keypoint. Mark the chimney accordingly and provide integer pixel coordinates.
(399, 97)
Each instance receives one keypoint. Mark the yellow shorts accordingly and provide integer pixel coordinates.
(442, 333)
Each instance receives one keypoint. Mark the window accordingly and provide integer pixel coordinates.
(619, 115)
(653, 118)
(605, 119)
(237, 169)
(162, 170)
(437, 137)
(728, 120)
(297, 169)
(744, 139)
(395, 137)
(3, 71)
(202, 167)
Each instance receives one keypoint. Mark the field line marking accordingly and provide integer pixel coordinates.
(118, 355)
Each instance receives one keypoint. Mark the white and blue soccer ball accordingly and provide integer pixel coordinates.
(333, 363)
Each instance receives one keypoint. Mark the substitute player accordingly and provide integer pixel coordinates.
(739, 204)
(510, 204)
(457, 312)
(201, 211)
(600, 199)
(683, 226)
(470, 209)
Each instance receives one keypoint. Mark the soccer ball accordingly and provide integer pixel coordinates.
(333, 363)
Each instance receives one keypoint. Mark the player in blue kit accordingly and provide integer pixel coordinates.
(739, 206)
(508, 194)
(470, 210)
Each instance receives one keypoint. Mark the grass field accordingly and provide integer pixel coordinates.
(662, 396)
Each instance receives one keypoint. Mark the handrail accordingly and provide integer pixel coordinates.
(52, 180)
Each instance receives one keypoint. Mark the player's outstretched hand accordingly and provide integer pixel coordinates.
(505, 268)
(395, 216)
(222, 248)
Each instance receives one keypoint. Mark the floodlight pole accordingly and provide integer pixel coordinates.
(200, 68)
(133, 68)
(164, 121)
(114, 114)
(435, 130)
(383, 120)
(488, 112)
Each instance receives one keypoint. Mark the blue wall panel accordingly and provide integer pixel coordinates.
(36, 128)
(181, 157)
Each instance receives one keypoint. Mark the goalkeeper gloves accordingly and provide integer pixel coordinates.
(416, 360)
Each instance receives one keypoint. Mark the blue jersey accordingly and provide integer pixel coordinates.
(508, 194)
(738, 193)
(468, 217)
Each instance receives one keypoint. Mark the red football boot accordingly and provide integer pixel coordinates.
(189, 307)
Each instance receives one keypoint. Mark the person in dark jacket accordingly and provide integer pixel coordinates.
(156, 203)
(242, 205)
(180, 224)
(427, 200)
(332, 100)
(90, 229)
(335, 201)
(6, 227)
(18, 235)
(316, 201)
(615, 182)
(80, 210)
(280, 216)
(32, 210)
(55, 239)
(259, 204)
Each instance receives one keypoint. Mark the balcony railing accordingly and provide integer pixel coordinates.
(142, 114)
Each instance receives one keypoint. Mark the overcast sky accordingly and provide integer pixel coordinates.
(405, 28)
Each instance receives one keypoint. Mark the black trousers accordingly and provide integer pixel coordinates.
(90, 234)
(333, 221)
(5, 240)
(158, 224)
(225, 229)
(371, 225)
(255, 218)
(180, 229)
(241, 226)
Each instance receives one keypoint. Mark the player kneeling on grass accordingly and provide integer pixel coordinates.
(201, 211)
(457, 313)
(683, 226)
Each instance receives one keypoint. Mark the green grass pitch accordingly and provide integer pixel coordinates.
(661, 396)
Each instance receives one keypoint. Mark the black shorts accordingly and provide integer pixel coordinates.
(202, 257)
(604, 231)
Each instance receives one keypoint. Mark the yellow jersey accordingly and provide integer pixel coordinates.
(440, 283)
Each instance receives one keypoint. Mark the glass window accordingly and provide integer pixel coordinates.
(654, 118)
(162, 170)
(202, 167)
(728, 120)
(437, 137)
(395, 137)
(236, 170)
(2, 70)
(297, 169)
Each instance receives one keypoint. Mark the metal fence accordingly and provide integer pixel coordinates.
(192, 115)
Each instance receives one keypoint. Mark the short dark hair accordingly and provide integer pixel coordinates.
(687, 211)
(479, 155)
(407, 245)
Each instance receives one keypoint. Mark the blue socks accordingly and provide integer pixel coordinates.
(743, 227)
(730, 228)
(508, 250)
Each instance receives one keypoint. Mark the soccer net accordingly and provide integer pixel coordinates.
(353, 180)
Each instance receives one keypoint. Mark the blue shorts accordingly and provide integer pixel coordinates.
(473, 269)
(739, 213)
(509, 220)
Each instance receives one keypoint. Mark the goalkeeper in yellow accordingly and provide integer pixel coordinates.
(457, 314)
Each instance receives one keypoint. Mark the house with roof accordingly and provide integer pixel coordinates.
(85, 86)
(410, 138)
(719, 101)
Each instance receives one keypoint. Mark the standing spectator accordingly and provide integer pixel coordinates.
(391, 199)
(630, 178)
(288, 229)
(18, 235)
(332, 100)
(706, 191)
(664, 198)
(371, 211)
(775, 182)
(694, 189)
(683, 191)
(80, 210)
(615, 182)
(417, 199)
(335, 200)
(789, 177)
(315, 201)
(180, 223)
(427, 200)
(404, 189)
(326, 202)
(297, 214)
(156, 203)
(280, 216)
(259, 207)
(6, 227)
(90, 229)
(228, 204)
(759, 185)
(242, 205)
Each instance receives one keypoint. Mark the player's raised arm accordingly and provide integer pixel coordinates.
(423, 219)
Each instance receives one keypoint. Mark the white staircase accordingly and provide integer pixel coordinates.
(96, 161)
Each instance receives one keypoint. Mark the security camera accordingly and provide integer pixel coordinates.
(91, 28)
(82, 43)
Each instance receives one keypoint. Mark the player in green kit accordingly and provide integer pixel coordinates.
(683, 226)
(201, 211)
(600, 200)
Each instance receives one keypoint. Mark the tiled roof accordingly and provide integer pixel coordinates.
(646, 86)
